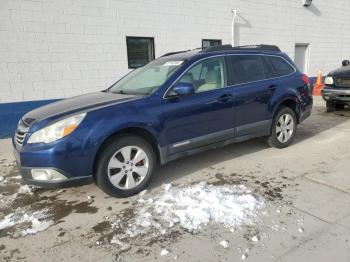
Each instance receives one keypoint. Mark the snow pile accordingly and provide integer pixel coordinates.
(192, 208)
(33, 221)
(200, 204)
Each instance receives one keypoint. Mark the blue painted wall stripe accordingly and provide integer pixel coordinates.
(11, 113)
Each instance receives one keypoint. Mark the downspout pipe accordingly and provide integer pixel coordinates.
(234, 15)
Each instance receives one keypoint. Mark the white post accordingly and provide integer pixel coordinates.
(234, 14)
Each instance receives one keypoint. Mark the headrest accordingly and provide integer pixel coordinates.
(187, 78)
(212, 76)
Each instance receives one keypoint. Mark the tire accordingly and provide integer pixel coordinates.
(289, 130)
(339, 106)
(121, 176)
(330, 106)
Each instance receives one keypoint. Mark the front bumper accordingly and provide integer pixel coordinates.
(71, 168)
(68, 182)
(334, 94)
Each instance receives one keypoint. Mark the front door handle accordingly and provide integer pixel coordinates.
(272, 88)
(226, 98)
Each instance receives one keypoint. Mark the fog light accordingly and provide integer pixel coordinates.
(47, 175)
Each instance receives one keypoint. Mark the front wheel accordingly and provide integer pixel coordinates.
(284, 128)
(332, 106)
(125, 166)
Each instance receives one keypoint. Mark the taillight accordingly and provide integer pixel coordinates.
(306, 79)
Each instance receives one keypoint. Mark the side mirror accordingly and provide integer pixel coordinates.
(183, 89)
(346, 62)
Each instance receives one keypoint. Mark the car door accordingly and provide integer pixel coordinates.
(254, 88)
(204, 117)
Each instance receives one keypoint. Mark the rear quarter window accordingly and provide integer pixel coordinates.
(280, 66)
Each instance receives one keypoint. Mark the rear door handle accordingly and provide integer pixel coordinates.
(272, 88)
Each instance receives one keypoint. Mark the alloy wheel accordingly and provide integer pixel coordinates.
(284, 128)
(128, 167)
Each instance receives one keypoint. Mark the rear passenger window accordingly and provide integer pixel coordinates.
(280, 66)
(247, 68)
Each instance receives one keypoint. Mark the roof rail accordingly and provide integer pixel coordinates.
(216, 48)
(179, 52)
(229, 47)
(250, 47)
(260, 46)
(174, 53)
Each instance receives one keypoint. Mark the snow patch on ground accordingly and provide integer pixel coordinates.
(224, 243)
(25, 189)
(198, 205)
(164, 252)
(255, 239)
(116, 241)
(31, 223)
(191, 208)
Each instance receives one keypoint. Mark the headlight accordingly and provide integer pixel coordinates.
(328, 80)
(57, 130)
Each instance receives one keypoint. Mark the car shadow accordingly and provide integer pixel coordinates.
(318, 122)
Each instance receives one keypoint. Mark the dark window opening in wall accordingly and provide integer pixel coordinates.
(140, 51)
(210, 42)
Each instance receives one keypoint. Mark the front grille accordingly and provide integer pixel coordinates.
(21, 132)
(342, 81)
(19, 137)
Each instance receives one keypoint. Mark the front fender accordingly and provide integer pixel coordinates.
(102, 124)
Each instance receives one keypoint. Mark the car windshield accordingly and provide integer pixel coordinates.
(147, 79)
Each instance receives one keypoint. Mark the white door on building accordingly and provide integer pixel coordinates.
(301, 57)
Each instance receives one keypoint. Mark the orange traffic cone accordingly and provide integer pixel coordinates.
(318, 86)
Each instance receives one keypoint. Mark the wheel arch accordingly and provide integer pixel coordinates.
(137, 131)
(290, 102)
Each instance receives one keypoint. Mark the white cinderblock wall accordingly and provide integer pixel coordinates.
(60, 48)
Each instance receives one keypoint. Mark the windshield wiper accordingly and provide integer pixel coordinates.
(118, 92)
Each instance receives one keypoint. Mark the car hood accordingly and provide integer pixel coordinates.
(342, 71)
(74, 105)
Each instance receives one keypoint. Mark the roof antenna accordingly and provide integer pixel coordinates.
(234, 15)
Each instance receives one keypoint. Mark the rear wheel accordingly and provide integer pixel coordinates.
(125, 166)
(284, 128)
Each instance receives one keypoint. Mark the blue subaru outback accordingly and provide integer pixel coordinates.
(177, 105)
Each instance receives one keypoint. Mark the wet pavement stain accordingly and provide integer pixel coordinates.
(61, 234)
(12, 255)
(48, 201)
(101, 227)
(270, 188)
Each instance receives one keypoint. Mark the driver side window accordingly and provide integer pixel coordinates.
(207, 75)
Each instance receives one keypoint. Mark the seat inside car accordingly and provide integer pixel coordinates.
(187, 78)
(212, 81)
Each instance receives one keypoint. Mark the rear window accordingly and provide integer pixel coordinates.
(280, 66)
(248, 68)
